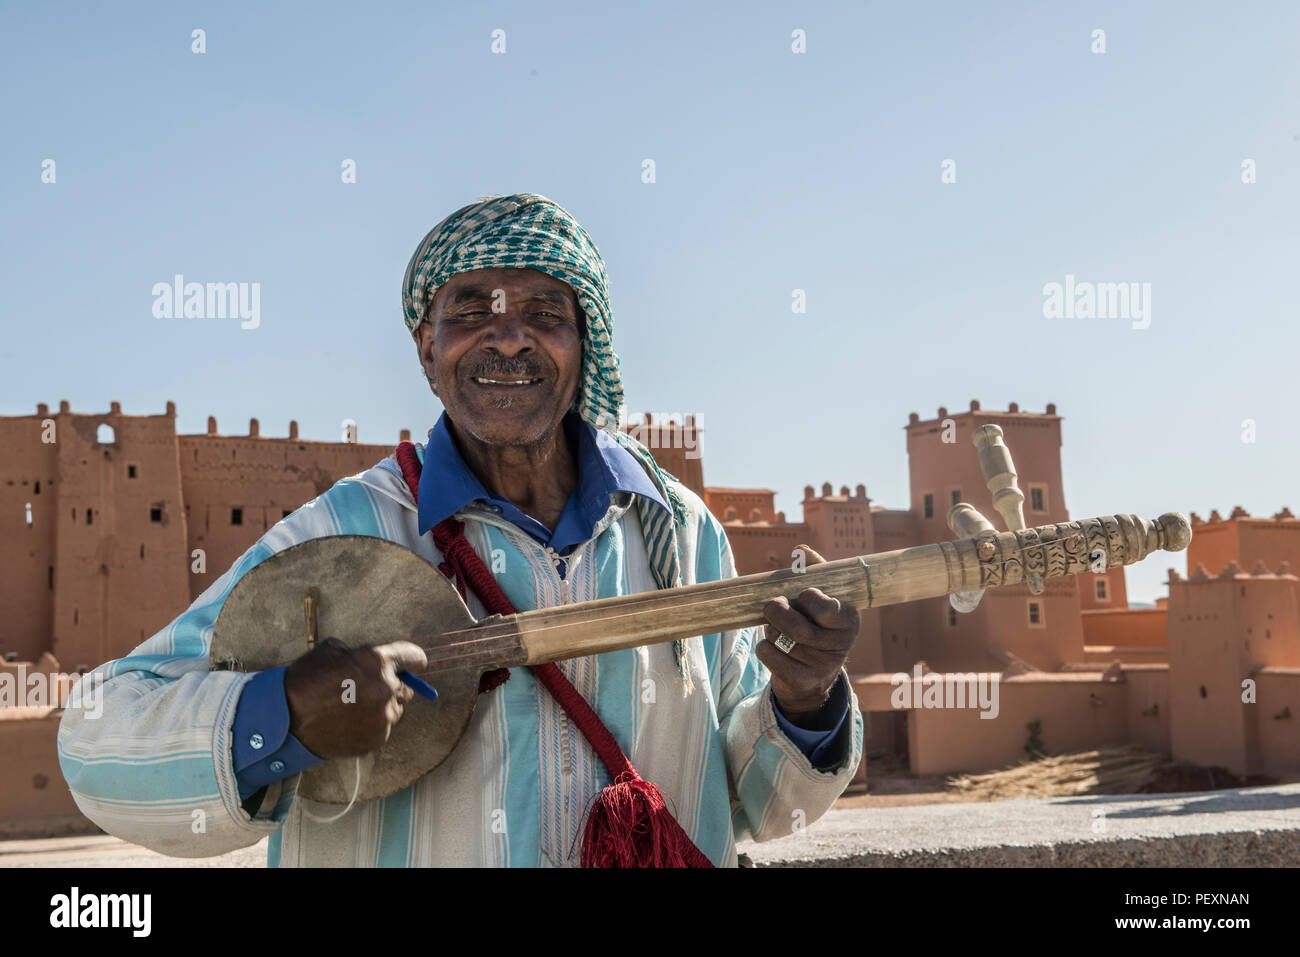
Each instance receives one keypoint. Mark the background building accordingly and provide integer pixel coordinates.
(111, 524)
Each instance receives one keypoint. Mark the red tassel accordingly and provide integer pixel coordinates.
(629, 825)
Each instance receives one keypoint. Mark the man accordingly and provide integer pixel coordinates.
(507, 302)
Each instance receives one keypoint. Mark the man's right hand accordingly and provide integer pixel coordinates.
(343, 702)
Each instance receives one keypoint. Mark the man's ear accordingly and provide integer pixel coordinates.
(424, 346)
(424, 337)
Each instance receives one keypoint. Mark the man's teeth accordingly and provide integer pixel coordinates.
(483, 381)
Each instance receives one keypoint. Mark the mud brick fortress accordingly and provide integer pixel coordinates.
(111, 524)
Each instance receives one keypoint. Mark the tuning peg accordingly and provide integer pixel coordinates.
(1000, 476)
(966, 522)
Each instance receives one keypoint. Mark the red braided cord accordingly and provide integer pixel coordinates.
(462, 564)
(456, 565)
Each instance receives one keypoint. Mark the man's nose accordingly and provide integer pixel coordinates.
(508, 334)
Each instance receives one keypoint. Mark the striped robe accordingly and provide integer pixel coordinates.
(156, 767)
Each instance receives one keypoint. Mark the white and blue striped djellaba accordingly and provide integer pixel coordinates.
(513, 793)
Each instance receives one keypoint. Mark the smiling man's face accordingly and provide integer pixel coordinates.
(504, 347)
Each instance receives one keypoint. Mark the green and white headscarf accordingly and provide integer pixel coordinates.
(527, 231)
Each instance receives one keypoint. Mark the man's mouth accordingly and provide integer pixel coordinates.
(507, 382)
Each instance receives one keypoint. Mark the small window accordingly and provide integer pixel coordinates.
(929, 505)
(90, 516)
(1037, 498)
(130, 471)
(37, 489)
(104, 435)
(155, 515)
(1035, 615)
(1102, 594)
(956, 496)
(236, 516)
(952, 616)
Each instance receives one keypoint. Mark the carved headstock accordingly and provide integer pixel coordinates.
(966, 521)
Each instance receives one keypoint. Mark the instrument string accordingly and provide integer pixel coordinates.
(632, 609)
(469, 643)
(607, 619)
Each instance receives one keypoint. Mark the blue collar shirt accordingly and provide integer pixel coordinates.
(604, 468)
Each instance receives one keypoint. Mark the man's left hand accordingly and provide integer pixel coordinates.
(823, 631)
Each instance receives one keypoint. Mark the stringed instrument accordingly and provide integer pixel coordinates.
(366, 591)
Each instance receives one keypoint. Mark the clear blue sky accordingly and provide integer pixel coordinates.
(775, 171)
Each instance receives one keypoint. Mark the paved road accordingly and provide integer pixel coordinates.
(104, 851)
(1241, 827)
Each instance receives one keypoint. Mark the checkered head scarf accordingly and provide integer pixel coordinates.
(527, 231)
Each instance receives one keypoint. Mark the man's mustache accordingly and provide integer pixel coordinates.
(519, 369)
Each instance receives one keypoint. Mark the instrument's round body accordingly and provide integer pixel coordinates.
(371, 591)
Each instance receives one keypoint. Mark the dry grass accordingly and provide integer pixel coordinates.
(1120, 770)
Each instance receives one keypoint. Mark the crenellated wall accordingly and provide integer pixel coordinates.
(101, 516)
(101, 513)
(28, 515)
(1225, 633)
(237, 486)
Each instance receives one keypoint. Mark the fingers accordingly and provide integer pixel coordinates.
(823, 610)
(782, 665)
(393, 711)
(404, 693)
(802, 654)
(374, 699)
(404, 655)
(814, 558)
(814, 619)
(797, 680)
(400, 656)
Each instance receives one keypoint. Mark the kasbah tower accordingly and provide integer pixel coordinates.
(111, 524)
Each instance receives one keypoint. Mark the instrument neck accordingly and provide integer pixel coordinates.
(966, 565)
(629, 621)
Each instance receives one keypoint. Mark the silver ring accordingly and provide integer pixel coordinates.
(783, 642)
